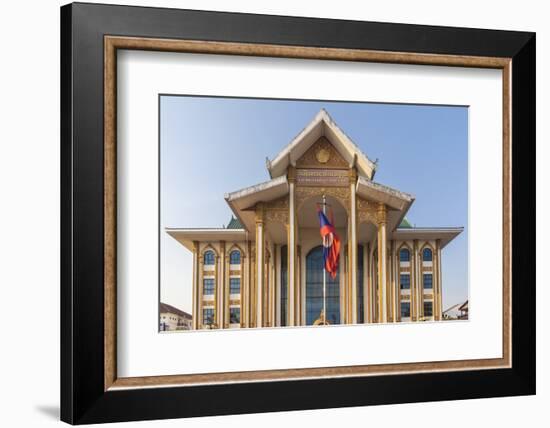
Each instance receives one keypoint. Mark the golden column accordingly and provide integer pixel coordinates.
(252, 288)
(382, 259)
(292, 304)
(196, 305)
(343, 285)
(437, 289)
(366, 281)
(420, 288)
(274, 288)
(220, 304)
(392, 309)
(244, 281)
(353, 241)
(371, 287)
(267, 286)
(200, 289)
(414, 282)
(298, 319)
(247, 285)
(260, 253)
(219, 296)
(227, 292)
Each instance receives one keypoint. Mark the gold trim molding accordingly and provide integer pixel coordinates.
(114, 43)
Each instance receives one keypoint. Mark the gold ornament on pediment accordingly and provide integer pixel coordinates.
(322, 155)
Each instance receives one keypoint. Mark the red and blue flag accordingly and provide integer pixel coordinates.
(331, 243)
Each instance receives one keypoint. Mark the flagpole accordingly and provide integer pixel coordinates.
(324, 273)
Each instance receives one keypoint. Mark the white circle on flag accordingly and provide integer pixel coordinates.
(328, 240)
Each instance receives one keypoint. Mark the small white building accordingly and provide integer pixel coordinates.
(456, 312)
(172, 318)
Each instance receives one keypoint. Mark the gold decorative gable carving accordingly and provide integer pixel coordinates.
(322, 154)
(368, 212)
(277, 210)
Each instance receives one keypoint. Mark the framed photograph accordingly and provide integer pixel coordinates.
(265, 213)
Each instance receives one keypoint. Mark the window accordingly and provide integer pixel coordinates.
(235, 257)
(404, 255)
(405, 281)
(427, 255)
(284, 284)
(234, 315)
(428, 309)
(234, 285)
(209, 258)
(405, 309)
(428, 280)
(314, 289)
(208, 286)
(360, 291)
(208, 316)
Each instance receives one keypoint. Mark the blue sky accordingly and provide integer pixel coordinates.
(212, 146)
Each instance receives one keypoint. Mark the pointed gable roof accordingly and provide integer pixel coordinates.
(321, 125)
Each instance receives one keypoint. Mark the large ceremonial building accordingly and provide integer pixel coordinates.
(265, 269)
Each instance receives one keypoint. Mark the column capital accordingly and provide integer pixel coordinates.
(381, 214)
(352, 174)
(260, 213)
(291, 174)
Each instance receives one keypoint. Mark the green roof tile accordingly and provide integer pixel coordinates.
(234, 224)
(405, 224)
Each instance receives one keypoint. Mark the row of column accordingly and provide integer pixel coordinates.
(260, 283)
(294, 313)
(374, 308)
(220, 272)
(258, 286)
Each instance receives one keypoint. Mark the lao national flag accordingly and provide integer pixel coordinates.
(331, 244)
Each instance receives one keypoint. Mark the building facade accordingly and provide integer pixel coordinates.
(265, 269)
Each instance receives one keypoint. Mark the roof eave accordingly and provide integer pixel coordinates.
(186, 236)
(393, 198)
(446, 234)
